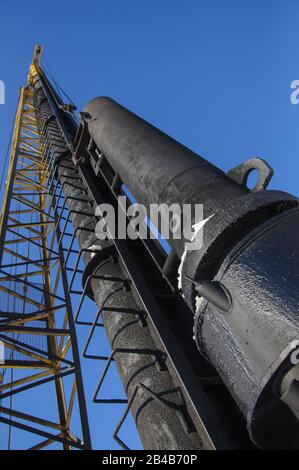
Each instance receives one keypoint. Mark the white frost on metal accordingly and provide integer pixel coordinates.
(94, 249)
(180, 269)
(198, 302)
(197, 227)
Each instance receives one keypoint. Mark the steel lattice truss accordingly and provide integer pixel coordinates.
(37, 337)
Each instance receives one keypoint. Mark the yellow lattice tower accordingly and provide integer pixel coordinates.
(41, 370)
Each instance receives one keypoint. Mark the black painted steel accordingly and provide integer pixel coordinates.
(155, 167)
(255, 345)
(160, 427)
(239, 326)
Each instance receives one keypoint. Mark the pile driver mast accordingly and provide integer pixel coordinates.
(183, 394)
(39, 344)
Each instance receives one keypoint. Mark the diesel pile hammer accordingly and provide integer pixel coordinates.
(206, 341)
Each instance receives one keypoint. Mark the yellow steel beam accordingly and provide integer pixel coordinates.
(37, 54)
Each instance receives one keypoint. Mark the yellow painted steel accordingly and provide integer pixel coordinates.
(37, 54)
(28, 252)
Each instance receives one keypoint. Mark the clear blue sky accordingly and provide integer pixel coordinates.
(214, 74)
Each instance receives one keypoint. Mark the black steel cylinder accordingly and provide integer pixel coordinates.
(160, 427)
(156, 168)
(251, 338)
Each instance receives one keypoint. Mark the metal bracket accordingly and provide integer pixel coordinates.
(158, 357)
(80, 144)
(180, 409)
(105, 254)
(240, 173)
